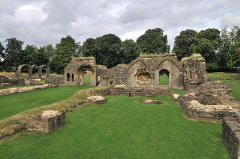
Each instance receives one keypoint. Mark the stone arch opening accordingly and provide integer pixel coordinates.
(68, 77)
(35, 71)
(23, 68)
(164, 77)
(86, 75)
(169, 72)
(143, 76)
(138, 74)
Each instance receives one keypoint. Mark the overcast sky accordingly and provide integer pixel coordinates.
(40, 22)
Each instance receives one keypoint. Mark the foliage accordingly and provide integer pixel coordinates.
(13, 54)
(63, 54)
(129, 51)
(153, 41)
(123, 128)
(229, 51)
(208, 44)
(183, 43)
(89, 48)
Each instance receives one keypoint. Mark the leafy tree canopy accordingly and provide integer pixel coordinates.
(153, 41)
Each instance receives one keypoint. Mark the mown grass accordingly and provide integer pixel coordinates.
(231, 79)
(14, 104)
(123, 128)
(87, 79)
(163, 80)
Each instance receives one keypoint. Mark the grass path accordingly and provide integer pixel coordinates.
(123, 128)
(13, 104)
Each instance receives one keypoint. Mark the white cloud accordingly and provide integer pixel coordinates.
(41, 22)
(230, 20)
(132, 35)
(30, 13)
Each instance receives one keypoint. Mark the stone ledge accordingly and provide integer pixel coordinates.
(9, 91)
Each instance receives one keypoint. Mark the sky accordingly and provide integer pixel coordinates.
(40, 22)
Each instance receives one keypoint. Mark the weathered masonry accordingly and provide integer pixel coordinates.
(143, 71)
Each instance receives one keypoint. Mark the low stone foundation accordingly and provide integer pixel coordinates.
(194, 109)
(137, 91)
(48, 121)
(231, 137)
(9, 91)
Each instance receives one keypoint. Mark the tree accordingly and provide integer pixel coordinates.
(42, 56)
(229, 52)
(49, 50)
(63, 54)
(89, 48)
(30, 54)
(13, 54)
(206, 48)
(1, 56)
(208, 44)
(129, 50)
(153, 41)
(183, 43)
(1, 51)
(108, 50)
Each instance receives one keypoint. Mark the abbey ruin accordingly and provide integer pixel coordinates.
(143, 71)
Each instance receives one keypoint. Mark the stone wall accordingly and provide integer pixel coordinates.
(137, 91)
(194, 71)
(9, 91)
(210, 100)
(231, 136)
(55, 81)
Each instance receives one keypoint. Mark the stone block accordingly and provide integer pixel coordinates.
(48, 121)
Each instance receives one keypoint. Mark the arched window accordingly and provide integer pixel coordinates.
(164, 77)
(68, 77)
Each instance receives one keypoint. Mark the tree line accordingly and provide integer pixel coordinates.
(221, 49)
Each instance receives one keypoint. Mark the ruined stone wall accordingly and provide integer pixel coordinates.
(10, 91)
(231, 137)
(117, 74)
(75, 71)
(194, 71)
(145, 71)
(137, 91)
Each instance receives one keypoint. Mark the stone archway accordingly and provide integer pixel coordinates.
(164, 77)
(86, 75)
(19, 70)
(174, 73)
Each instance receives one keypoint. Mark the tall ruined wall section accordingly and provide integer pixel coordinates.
(194, 71)
(73, 72)
(146, 69)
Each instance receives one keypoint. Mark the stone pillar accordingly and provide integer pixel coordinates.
(48, 72)
(40, 72)
(17, 74)
(30, 69)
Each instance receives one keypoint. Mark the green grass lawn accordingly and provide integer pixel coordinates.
(163, 80)
(87, 79)
(13, 104)
(123, 128)
(231, 79)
